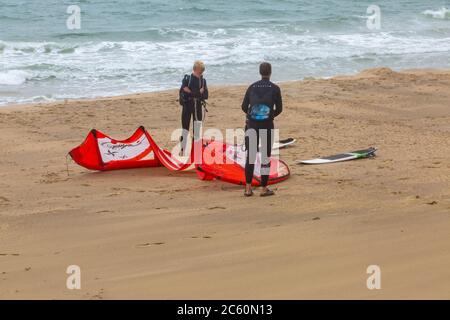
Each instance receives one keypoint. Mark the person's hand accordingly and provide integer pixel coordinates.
(202, 90)
(186, 89)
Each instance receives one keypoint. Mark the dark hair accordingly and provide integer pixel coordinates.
(265, 69)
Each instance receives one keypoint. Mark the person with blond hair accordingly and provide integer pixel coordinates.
(193, 93)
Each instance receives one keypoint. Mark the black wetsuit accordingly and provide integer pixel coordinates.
(191, 103)
(268, 93)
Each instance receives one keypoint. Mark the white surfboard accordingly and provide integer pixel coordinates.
(359, 154)
(284, 143)
(280, 144)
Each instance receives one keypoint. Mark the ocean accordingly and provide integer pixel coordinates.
(125, 46)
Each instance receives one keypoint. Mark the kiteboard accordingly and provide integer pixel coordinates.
(359, 154)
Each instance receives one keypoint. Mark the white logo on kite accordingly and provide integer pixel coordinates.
(111, 151)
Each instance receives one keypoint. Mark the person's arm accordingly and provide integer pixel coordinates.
(246, 101)
(185, 84)
(205, 93)
(278, 103)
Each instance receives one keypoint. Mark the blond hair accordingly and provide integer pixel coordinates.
(199, 64)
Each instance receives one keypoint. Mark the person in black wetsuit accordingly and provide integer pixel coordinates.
(193, 93)
(262, 103)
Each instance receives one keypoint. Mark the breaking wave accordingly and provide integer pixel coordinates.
(442, 14)
(13, 77)
(154, 43)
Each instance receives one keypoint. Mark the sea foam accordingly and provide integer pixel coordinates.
(443, 13)
(13, 77)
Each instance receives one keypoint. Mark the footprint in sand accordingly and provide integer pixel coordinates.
(148, 244)
(344, 181)
(113, 195)
(203, 237)
(432, 203)
(71, 197)
(4, 201)
(230, 187)
(216, 207)
(51, 177)
(99, 295)
(96, 296)
(120, 189)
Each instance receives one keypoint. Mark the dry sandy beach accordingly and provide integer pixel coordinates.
(152, 233)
